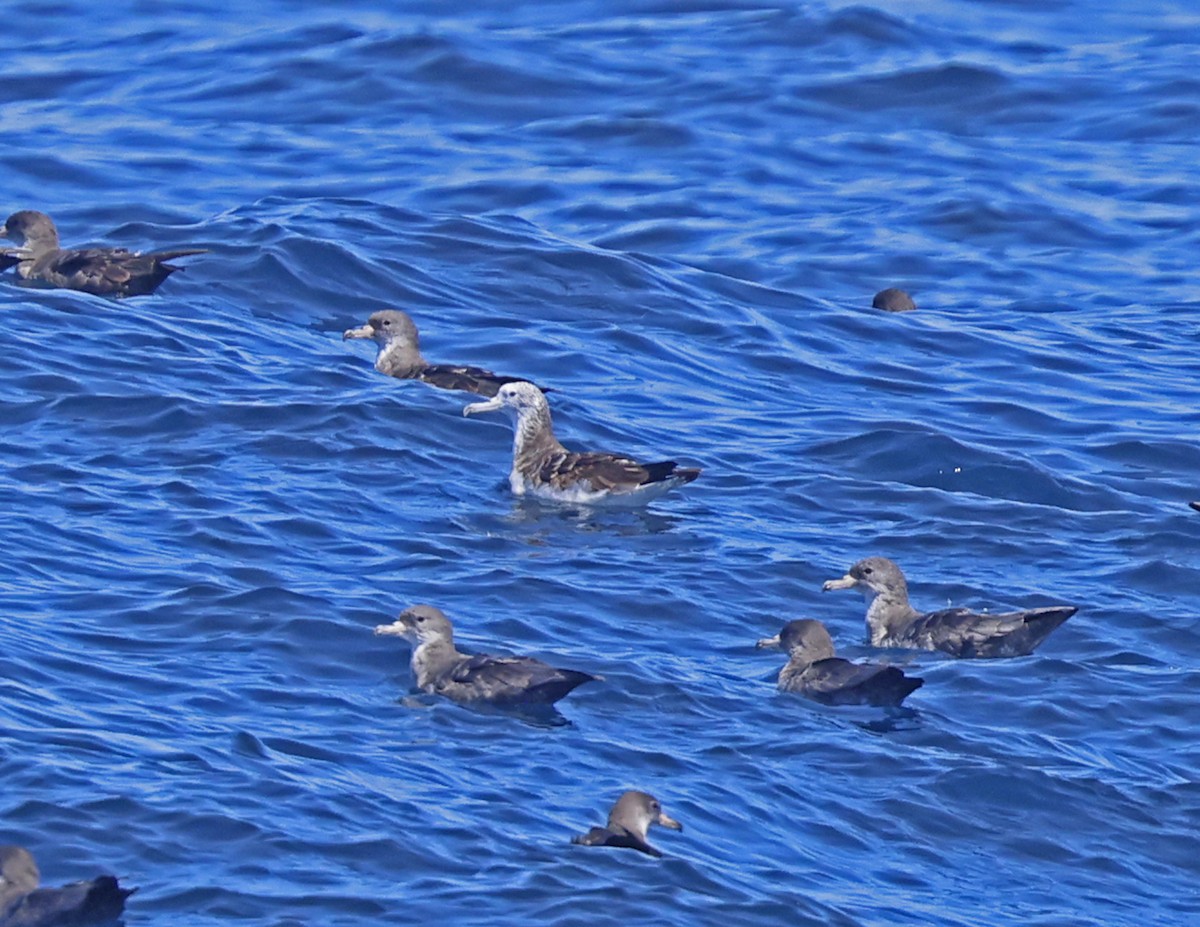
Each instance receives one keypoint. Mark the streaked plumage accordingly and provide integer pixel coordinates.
(80, 904)
(628, 823)
(815, 672)
(543, 467)
(102, 271)
(439, 668)
(893, 622)
(400, 356)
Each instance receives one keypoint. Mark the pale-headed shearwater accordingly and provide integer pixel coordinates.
(628, 823)
(892, 622)
(400, 356)
(102, 271)
(440, 669)
(23, 904)
(813, 671)
(543, 467)
(893, 300)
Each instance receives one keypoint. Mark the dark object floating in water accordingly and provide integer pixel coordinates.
(543, 467)
(81, 904)
(813, 671)
(893, 300)
(102, 271)
(892, 622)
(1195, 505)
(628, 822)
(440, 669)
(400, 356)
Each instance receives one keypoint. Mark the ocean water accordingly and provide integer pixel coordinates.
(675, 214)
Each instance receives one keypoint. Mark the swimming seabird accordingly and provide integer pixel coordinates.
(892, 622)
(893, 300)
(440, 669)
(400, 356)
(813, 671)
(23, 904)
(628, 822)
(541, 466)
(103, 271)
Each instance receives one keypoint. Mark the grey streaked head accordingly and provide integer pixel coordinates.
(519, 399)
(420, 624)
(28, 227)
(634, 812)
(18, 872)
(874, 576)
(804, 638)
(389, 326)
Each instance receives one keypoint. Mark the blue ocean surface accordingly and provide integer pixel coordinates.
(675, 214)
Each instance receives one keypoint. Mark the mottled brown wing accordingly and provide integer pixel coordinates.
(509, 679)
(465, 378)
(93, 270)
(601, 472)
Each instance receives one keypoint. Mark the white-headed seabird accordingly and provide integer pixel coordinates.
(439, 668)
(400, 356)
(893, 622)
(628, 822)
(543, 467)
(102, 271)
(80, 904)
(813, 671)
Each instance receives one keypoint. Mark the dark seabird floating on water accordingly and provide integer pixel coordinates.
(400, 356)
(892, 622)
(80, 904)
(814, 672)
(440, 669)
(628, 823)
(893, 300)
(543, 467)
(102, 271)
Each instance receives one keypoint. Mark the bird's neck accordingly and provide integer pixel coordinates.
(888, 613)
(399, 360)
(533, 438)
(432, 659)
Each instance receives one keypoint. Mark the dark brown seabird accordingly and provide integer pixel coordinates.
(628, 822)
(893, 622)
(102, 271)
(400, 356)
(440, 669)
(893, 300)
(813, 671)
(543, 467)
(80, 904)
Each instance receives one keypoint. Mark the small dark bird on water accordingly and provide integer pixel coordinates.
(101, 271)
(813, 671)
(441, 669)
(893, 622)
(628, 822)
(400, 356)
(893, 300)
(81, 904)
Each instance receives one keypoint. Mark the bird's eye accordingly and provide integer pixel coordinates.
(867, 571)
(420, 618)
(387, 323)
